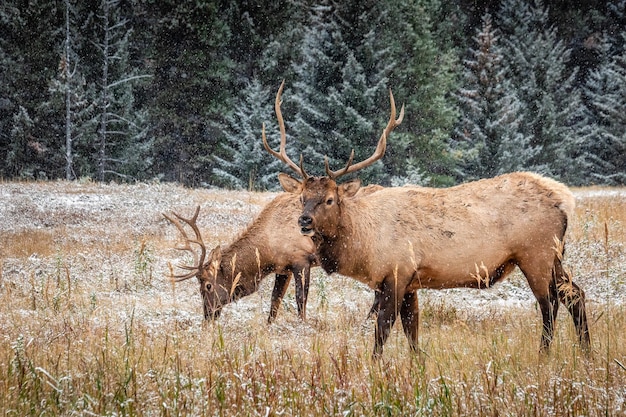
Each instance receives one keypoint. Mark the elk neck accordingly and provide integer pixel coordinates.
(352, 248)
(333, 248)
(245, 258)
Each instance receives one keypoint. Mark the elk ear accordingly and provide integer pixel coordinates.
(350, 188)
(216, 255)
(289, 184)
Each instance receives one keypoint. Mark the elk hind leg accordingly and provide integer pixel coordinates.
(280, 287)
(409, 313)
(543, 285)
(547, 298)
(573, 297)
(549, 306)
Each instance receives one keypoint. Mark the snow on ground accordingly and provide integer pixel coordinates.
(600, 192)
(96, 234)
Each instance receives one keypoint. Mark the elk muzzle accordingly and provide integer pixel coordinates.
(211, 314)
(306, 225)
(211, 311)
(211, 301)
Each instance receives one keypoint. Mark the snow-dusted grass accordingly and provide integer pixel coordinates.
(89, 325)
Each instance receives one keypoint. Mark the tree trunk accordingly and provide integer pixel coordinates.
(105, 93)
(69, 157)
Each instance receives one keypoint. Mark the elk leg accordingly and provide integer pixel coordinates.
(545, 290)
(280, 287)
(409, 313)
(390, 300)
(302, 278)
(573, 297)
(376, 306)
(549, 306)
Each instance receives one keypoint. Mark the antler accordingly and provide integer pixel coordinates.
(198, 261)
(282, 155)
(380, 148)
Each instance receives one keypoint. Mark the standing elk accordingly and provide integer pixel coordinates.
(271, 244)
(401, 239)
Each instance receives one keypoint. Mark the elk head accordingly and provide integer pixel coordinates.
(321, 196)
(214, 288)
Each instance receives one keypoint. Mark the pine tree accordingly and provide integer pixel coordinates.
(244, 163)
(606, 94)
(488, 141)
(191, 90)
(122, 128)
(22, 150)
(29, 55)
(72, 97)
(536, 64)
(351, 106)
(336, 100)
(283, 47)
(73, 100)
(423, 79)
(15, 122)
(257, 30)
(322, 56)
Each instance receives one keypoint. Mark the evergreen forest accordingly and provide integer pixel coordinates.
(168, 90)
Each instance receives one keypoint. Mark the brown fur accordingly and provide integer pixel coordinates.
(398, 240)
(272, 243)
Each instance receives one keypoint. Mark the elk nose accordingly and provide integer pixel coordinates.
(305, 221)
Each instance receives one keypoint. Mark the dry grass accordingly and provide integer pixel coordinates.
(26, 242)
(596, 208)
(89, 326)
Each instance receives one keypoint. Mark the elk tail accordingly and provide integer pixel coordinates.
(560, 275)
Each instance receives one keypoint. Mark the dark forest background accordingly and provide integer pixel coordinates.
(146, 90)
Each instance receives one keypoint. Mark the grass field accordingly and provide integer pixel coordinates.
(89, 324)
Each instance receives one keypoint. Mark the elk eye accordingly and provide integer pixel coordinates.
(207, 287)
(330, 201)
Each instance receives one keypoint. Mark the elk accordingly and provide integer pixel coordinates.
(271, 244)
(402, 239)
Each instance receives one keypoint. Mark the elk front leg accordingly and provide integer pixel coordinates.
(280, 287)
(376, 305)
(390, 300)
(409, 312)
(302, 278)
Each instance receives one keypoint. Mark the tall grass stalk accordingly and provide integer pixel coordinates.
(82, 333)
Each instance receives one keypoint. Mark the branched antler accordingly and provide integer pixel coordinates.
(186, 246)
(282, 154)
(380, 148)
(349, 168)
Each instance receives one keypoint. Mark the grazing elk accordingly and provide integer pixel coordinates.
(401, 239)
(272, 243)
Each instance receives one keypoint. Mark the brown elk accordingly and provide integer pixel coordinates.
(271, 244)
(401, 239)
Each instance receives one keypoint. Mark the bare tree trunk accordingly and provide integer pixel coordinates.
(69, 156)
(105, 92)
